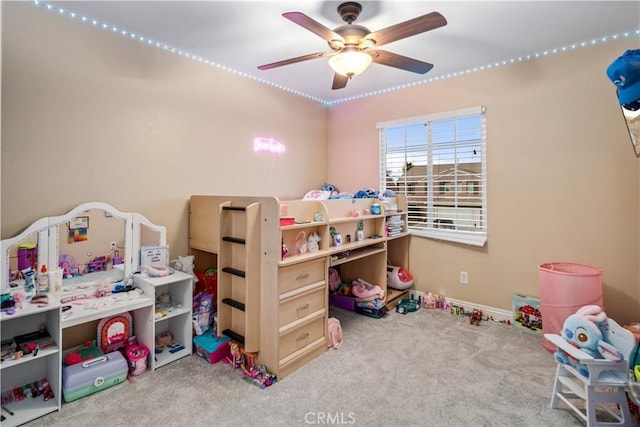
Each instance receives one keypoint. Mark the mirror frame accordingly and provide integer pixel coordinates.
(48, 233)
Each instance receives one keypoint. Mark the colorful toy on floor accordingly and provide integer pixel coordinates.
(475, 317)
(407, 306)
(137, 358)
(260, 376)
(429, 300)
(236, 356)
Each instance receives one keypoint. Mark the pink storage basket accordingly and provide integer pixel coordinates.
(564, 288)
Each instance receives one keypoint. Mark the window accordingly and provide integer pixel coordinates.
(438, 161)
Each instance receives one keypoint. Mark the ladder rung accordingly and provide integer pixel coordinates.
(233, 303)
(234, 271)
(234, 240)
(234, 336)
(234, 208)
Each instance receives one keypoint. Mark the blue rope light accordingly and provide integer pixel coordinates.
(327, 103)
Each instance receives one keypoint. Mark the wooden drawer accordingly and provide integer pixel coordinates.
(299, 275)
(302, 336)
(299, 306)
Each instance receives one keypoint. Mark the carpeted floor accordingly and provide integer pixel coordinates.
(427, 368)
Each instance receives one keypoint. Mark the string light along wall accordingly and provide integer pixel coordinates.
(164, 46)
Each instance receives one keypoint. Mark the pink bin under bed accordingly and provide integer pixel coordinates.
(564, 288)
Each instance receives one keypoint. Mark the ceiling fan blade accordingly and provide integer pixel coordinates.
(312, 25)
(339, 81)
(294, 60)
(398, 61)
(408, 28)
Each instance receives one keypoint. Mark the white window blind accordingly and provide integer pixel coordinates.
(439, 162)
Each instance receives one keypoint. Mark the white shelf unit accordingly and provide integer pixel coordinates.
(177, 318)
(77, 323)
(29, 368)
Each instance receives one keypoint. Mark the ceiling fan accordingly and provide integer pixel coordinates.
(354, 47)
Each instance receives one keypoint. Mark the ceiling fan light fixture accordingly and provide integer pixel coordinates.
(367, 44)
(350, 63)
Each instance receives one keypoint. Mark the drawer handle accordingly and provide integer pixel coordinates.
(303, 276)
(304, 307)
(302, 337)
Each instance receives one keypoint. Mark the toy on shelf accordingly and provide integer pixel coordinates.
(82, 354)
(104, 289)
(114, 332)
(186, 265)
(399, 278)
(313, 243)
(164, 339)
(97, 264)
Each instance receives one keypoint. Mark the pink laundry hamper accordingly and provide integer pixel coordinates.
(564, 288)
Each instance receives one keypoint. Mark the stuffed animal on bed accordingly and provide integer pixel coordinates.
(582, 330)
(366, 193)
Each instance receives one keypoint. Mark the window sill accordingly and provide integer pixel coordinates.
(472, 239)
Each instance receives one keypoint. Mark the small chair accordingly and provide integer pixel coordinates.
(604, 390)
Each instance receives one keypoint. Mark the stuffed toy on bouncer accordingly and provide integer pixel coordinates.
(583, 331)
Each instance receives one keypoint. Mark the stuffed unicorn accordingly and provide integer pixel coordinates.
(582, 330)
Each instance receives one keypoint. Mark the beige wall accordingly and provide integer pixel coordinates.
(562, 177)
(90, 116)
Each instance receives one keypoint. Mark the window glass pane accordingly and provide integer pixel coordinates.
(438, 165)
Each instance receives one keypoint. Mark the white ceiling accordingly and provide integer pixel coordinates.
(242, 35)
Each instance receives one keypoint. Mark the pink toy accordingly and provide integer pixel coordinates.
(19, 297)
(137, 356)
(285, 251)
(429, 300)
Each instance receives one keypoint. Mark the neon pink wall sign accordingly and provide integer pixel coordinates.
(268, 145)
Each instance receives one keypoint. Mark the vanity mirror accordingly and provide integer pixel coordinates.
(91, 245)
(24, 250)
(92, 242)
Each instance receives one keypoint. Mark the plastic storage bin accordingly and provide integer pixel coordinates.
(344, 302)
(83, 379)
(211, 347)
(564, 288)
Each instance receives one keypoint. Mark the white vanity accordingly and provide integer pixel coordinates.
(99, 245)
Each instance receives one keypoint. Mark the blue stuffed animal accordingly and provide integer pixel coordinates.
(366, 193)
(582, 330)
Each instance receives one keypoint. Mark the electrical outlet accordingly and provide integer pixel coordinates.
(464, 277)
(112, 246)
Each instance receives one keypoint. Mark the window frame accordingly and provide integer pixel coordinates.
(473, 238)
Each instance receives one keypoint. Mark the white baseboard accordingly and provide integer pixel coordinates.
(496, 314)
